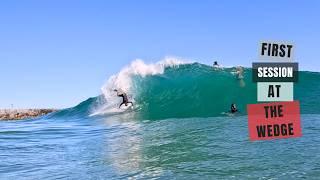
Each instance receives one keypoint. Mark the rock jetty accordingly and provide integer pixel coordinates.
(15, 114)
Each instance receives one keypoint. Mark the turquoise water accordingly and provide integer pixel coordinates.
(177, 131)
(119, 148)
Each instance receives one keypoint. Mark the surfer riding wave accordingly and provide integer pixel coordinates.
(124, 96)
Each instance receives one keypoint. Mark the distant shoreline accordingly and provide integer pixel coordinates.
(18, 114)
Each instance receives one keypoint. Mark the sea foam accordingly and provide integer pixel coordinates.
(123, 80)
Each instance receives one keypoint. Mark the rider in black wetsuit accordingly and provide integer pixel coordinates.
(233, 108)
(124, 98)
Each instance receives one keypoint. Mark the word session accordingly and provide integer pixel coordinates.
(275, 72)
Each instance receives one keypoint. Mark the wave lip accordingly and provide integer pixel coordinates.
(123, 80)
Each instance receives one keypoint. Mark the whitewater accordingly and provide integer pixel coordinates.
(179, 128)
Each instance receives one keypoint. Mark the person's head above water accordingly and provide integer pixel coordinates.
(215, 63)
(115, 90)
(233, 108)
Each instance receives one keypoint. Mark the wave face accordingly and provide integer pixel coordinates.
(174, 89)
(193, 90)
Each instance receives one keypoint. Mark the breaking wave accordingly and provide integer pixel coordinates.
(173, 88)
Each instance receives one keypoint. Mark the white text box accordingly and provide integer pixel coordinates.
(281, 91)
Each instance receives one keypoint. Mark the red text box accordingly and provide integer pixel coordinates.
(274, 120)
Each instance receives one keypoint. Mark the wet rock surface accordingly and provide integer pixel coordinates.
(16, 114)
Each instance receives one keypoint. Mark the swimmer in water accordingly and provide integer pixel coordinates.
(215, 64)
(239, 72)
(124, 98)
(233, 108)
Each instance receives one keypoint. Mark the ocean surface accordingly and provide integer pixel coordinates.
(179, 128)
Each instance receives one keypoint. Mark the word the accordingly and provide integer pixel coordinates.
(275, 111)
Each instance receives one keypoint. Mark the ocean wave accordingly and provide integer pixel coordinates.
(173, 88)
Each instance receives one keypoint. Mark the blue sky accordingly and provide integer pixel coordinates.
(58, 53)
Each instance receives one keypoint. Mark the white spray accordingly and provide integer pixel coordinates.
(123, 80)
